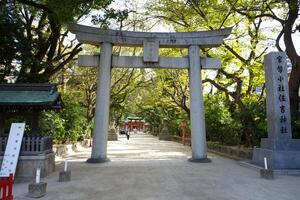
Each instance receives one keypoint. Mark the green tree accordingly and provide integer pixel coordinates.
(220, 124)
(286, 14)
(242, 71)
(154, 103)
(36, 46)
(66, 125)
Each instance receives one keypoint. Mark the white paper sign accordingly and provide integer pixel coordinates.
(12, 150)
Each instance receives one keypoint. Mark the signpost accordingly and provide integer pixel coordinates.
(12, 150)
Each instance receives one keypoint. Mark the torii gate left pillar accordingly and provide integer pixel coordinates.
(199, 147)
(151, 43)
(101, 120)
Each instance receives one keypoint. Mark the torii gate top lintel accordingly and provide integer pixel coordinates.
(95, 36)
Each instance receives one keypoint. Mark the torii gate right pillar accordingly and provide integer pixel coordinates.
(199, 148)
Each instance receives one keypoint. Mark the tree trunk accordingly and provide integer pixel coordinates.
(294, 84)
(294, 81)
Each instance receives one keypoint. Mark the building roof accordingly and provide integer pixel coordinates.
(134, 118)
(29, 96)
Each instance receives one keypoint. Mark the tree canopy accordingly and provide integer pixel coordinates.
(35, 47)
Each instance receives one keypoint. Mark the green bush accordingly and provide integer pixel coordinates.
(220, 126)
(65, 125)
(230, 125)
(254, 119)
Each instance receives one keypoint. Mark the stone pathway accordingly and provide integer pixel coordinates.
(145, 168)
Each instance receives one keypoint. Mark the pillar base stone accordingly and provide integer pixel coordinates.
(165, 136)
(266, 174)
(112, 135)
(64, 176)
(97, 160)
(37, 190)
(165, 133)
(200, 160)
(277, 159)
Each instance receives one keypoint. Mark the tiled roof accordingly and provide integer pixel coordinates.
(33, 96)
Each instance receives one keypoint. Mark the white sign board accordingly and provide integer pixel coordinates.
(10, 159)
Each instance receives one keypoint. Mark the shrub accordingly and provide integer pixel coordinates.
(220, 126)
(235, 127)
(65, 125)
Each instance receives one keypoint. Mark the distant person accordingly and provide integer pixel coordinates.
(127, 134)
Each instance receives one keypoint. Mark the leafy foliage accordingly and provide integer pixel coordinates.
(36, 46)
(235, 111)
(242, 70)
(66, 125)
(220, 124)
(286, 15)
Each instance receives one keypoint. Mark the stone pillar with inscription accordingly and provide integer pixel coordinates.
(281, 151)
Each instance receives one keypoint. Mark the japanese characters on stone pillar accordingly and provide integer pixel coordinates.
(280, 149)
(278, 104)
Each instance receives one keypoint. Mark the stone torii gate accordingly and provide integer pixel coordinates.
(151, 42)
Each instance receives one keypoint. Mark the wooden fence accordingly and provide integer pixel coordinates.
(31, 145)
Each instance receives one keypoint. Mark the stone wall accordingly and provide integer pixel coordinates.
(230, 151)
(179, 139)
(62, 150)
(27, 165)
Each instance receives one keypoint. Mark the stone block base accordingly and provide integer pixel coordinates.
(97, 160)
(276, 159)
(281, 145)
(64, 176)
(112, 135)
(27, 165)
(165, 136)
(200, 160)
(266, 174)
(37, 190)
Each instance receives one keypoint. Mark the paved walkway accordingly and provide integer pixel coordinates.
(145, 168)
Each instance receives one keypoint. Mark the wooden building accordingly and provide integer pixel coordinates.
(135, 123)
(23, 103)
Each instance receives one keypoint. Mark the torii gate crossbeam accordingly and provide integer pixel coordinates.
(151, 43)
